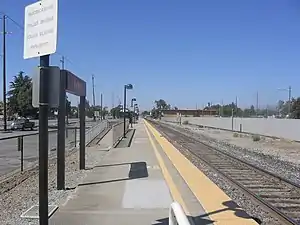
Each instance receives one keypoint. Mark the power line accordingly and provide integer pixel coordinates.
(22, 28)
(15, 22)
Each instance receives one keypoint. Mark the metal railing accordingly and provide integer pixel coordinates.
(21, 150)
(95, 130)
(118, 130)
(177, 215)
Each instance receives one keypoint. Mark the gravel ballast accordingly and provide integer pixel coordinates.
(261, 158)
(277, 158)
(20, 198)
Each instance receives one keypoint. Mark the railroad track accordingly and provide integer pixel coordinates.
(277, 195)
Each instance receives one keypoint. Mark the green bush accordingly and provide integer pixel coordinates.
(185, 122)
(235, 135)
(256, 138)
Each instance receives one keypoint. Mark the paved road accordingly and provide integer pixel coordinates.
(10, 157)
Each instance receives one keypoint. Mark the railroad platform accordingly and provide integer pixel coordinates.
(137, 184)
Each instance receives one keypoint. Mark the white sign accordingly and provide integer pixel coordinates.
(40, 29)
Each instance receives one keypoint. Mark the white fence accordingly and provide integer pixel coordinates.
(283, 128)
(177, 215)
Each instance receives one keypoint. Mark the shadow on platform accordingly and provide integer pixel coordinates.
(137, 170)
(204, 218)
(230, 206)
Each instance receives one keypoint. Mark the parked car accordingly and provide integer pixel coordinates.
(22, 124)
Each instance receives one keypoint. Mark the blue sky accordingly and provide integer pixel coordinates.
(186, 52)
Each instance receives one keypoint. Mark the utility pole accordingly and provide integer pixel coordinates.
(236, 106)
(290, 95)
(101, 107)
(256, 104)
(4, 73)
(93, 83)
(221, 114)
(62, 62)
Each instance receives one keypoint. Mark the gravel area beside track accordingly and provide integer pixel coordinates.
(19, 199)
(276, 156)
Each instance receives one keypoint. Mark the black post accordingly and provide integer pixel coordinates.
(43, 140)
(21, 149)
(4, 73)
(75, 136)
(124, 113)
(22, 153)
(61, 134)
(82, 133)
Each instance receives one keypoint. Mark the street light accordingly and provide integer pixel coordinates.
(126, 87)
(290, 95)
(132, 100)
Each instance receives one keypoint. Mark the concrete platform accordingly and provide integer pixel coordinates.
(133, 185)
(127, 187)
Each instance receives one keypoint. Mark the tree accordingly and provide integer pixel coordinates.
(20, 96)
(155, 113)
(161, 104)
(68, 107)
(115, 112)
(145, 113)
(295, 108)
(104, 112)
(74, 111)
(88, 109)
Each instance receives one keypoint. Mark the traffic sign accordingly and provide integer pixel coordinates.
(40, 29)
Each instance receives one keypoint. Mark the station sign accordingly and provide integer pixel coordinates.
(74, 85)
(40, 28)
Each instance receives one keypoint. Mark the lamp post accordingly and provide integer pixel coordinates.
(135, 109)
(126, 87)
(132, 100)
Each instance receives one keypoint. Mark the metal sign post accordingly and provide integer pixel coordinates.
(72, 84)
(76, 86)
(61, 133)
(82, 133)
(40, 40)
(43, 142)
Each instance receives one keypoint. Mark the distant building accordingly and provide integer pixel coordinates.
(190, 112)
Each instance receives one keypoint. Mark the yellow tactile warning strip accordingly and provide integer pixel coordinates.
(214, 201)
(173, 189)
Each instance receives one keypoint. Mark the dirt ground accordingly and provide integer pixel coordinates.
(284, 149)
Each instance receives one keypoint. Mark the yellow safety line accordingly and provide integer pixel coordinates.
(212, 198)
(168, 178)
